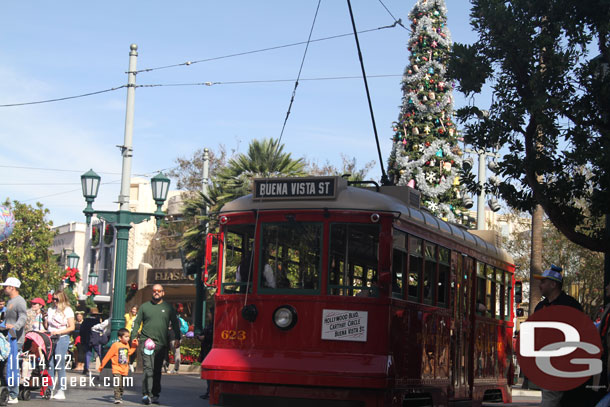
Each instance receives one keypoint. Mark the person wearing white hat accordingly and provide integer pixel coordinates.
(551, 284)
(16, 317)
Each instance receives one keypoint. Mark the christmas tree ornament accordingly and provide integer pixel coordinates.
(427, 129)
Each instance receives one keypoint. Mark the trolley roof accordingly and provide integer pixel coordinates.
(361, 199)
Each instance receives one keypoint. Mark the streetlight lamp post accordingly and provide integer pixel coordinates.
(123, 218)
(482, 177)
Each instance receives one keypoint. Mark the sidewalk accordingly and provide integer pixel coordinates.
(182, 389)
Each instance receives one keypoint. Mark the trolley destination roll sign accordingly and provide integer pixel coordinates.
(295, 188)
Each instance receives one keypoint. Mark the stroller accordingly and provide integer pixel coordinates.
(35, 357)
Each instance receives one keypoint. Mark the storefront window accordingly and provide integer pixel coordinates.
(290, 258)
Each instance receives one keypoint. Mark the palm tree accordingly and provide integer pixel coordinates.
(264, 159)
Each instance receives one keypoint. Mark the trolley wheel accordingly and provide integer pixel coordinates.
(4, 396)
(20, 395)
(27, 394)
(47, 393)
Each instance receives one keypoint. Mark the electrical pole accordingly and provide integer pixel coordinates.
(200, 290)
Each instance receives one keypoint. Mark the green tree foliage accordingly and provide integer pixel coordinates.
(263, 159)
(188, 173)
(582, 268)
(26, 255)
(425, 154)
(348, 166)
(550, 108)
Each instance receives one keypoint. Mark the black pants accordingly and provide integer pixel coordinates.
(152, 365)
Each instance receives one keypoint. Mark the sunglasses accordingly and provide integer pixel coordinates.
(157, 291)
(55, 299)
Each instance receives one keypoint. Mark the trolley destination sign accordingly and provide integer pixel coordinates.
(342, 325)
(295, 188)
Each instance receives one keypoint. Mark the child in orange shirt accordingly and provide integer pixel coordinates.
(119, 353)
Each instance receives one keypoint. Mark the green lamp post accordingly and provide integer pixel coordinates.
(123, 218)
(122, 221)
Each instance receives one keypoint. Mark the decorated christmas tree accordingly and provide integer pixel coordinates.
(425, 154)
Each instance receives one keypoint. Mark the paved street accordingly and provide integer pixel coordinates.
(177, 390)
(184, 390)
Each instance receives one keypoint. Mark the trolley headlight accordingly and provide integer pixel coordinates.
(285, 317)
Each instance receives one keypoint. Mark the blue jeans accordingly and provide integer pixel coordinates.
(58, 362)
(12, 369)
(89, 352)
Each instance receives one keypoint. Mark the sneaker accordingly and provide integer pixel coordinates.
(13, 400)
(118, 401)
(146, 400)
(155, 400)
(205, 396)
(59, 395)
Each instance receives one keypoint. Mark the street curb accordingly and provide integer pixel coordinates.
(526, 393)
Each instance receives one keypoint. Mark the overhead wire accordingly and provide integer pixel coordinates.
(211, 83)
(396, 21)
(51, 169)
(294, 44)
(64, 98)
(67, 192)
(296, 84)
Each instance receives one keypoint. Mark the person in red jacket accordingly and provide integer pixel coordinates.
(119, 353)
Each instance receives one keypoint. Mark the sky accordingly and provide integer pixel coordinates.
(52, 50)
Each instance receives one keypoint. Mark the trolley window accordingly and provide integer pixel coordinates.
(481, 306)
(429, 272)
(353, 260)
(443, 276)
(290, 258)
(499, 293)
(508, 289)
(237, 259)
(399, 263)
(416, 265)
(490, 291)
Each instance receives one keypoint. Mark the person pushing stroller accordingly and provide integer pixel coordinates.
(15, 319)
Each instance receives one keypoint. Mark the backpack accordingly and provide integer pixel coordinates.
(184, 326)
(5, 348)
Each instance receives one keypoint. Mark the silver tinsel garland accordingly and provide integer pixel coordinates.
(420, 178)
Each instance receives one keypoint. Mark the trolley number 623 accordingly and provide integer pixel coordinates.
(233, 335)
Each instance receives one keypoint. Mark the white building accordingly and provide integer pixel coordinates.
(96, 244)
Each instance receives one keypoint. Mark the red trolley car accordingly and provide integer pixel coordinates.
(333, 295)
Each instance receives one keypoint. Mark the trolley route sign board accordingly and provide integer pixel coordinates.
(295, 188)
(344, 325)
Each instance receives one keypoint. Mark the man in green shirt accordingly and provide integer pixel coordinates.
(155, 317)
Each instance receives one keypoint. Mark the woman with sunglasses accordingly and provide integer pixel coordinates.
(60, 323)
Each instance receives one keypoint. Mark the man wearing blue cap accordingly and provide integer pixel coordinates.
(551, 284)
